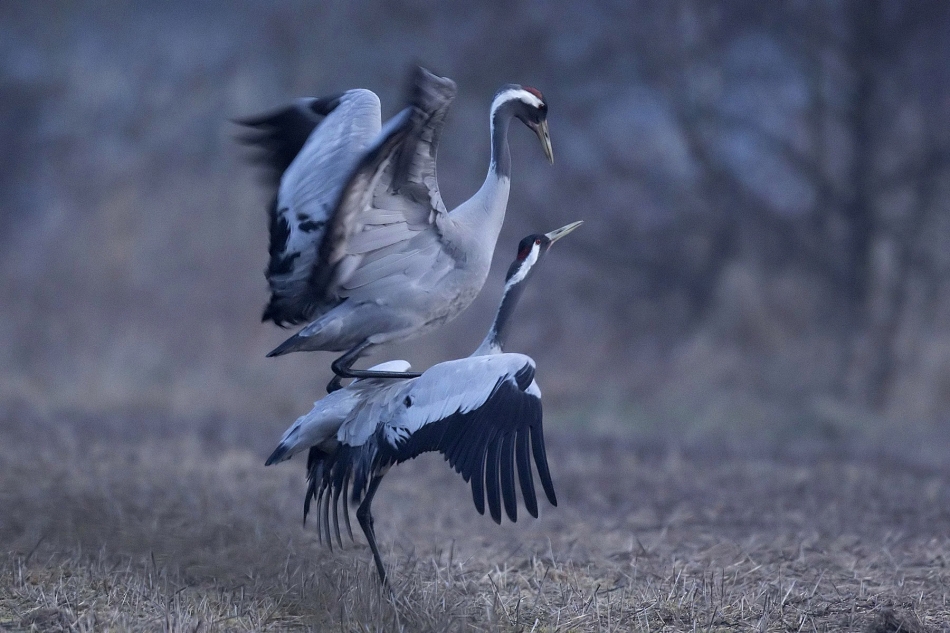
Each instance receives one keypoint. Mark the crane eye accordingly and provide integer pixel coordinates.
(538, 241)
(407, 402)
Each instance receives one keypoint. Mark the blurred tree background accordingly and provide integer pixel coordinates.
(765, 188)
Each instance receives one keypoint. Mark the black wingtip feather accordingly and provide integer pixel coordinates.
(474, 452)
(314, 478)
(478, 481)
(329, 475)
(429, 96)
(492, 489)
(486, 444)
(523, 459)
(277, 136)
(507, 471)
(541, 463)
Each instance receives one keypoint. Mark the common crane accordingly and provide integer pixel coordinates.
(361, 244)
(483, 413)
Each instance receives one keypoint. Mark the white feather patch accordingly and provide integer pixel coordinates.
(526, 266)
(444, 389)
(515, 93)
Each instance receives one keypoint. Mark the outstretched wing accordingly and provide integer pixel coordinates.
(384, 224)
(484, 415)
(276, 137)
(310, 149)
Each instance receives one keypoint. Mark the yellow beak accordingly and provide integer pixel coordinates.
(541, 129)
(557, 234)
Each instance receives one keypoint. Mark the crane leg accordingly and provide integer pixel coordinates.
(335, 384)
(365, 517)
(342, 367)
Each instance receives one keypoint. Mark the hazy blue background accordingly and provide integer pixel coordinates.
(764, 185)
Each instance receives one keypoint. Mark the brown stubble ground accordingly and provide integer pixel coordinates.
(144, 524)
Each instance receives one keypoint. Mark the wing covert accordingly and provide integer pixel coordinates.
(391, 199)
(485, 434)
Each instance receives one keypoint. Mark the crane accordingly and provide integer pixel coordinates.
(483, 413)
(362, 247)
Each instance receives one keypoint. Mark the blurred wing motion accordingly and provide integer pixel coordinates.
(310, 150)
(351, 194)
(278, 136)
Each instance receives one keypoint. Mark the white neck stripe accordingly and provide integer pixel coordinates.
(515, 93)
(526, 266)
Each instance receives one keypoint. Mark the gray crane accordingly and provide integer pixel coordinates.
(361, 244)
(483, 413)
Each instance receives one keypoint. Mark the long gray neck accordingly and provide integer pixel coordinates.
(494, 341)
(477, 221)
(500, 153)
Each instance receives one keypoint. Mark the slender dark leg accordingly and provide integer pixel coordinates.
(342, 367)
(365, 517)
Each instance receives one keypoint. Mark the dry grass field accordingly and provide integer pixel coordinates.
(755, 319)
(143, 524)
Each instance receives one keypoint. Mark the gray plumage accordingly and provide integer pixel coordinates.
(362, 245)
(483, 413)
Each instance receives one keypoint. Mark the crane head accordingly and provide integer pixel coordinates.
(529, 106)
(532, 249)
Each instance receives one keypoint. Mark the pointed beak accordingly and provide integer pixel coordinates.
(541, 129)
(557, 234)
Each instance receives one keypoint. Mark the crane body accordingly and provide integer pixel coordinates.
(483, 413)
(362, 248)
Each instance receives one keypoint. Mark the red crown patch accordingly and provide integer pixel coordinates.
(535, 92)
